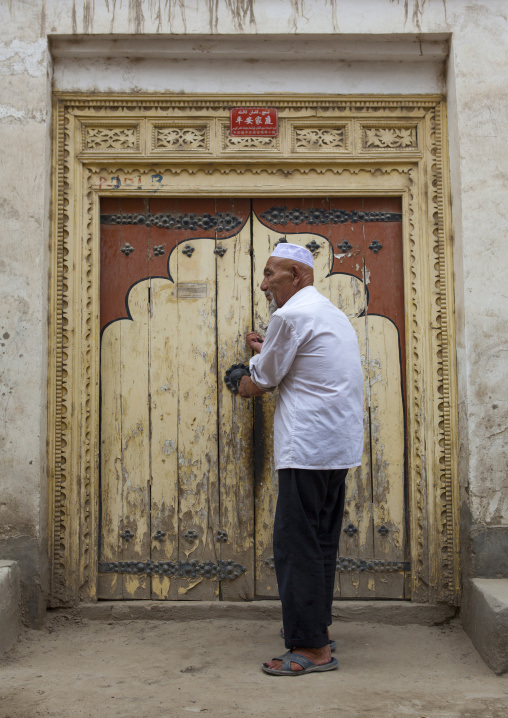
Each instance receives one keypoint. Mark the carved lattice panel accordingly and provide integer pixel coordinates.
(321, 139)
(180, 138)
(244, 144)
(110, 139)
(389, 138)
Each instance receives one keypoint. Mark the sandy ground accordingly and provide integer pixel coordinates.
(164, 669)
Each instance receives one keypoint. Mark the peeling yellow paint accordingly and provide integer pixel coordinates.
(183, 590)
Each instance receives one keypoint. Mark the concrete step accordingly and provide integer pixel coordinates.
(396, 613)
(9, 604)
(487, 623)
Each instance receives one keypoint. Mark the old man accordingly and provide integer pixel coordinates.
(310, 352)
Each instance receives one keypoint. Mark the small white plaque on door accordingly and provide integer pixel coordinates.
(191, 290)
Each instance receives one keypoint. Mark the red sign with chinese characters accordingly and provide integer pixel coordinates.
(254, 122)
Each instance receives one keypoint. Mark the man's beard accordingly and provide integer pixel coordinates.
(272, 305)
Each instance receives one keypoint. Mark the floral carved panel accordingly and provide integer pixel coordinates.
(320, 139)
(180, 139)
(389, 138)
(110, 139)
(239, 144)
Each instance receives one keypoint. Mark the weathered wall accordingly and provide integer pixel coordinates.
(258, 63)
(24, 200)
(478, 99)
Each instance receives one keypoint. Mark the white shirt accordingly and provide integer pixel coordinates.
(311, 353)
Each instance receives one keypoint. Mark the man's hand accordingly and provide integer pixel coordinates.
(247, 389)
(254, 341)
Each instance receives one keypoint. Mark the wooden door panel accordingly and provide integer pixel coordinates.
(164, 393)
(357, 248)
(125, 476)
(160, 373)
(198, 510)
(387, 452)
(357, 529)
(111, 584)
(235, 416)
(125, 445)
(266, 480)
(135, 458)
(188, 486)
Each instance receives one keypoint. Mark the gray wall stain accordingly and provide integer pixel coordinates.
(74, 19)
(166, 11)
(156, 14)
(416, 10)
(241, 12)
(333, 6)
(111, 9)
(302, 11)
(171, 8)
(88, 15)
(43, 19)
(297, 12)
(213, 6)
(136, 16)
(418, 7)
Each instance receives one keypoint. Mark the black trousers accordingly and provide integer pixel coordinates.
(306, 537)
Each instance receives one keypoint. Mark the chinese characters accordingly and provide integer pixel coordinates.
(254, 121)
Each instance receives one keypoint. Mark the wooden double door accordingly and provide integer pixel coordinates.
(188, 489)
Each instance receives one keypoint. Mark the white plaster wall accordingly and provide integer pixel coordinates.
(203, 75)
(258, 63)
(24, 230)
(478, 107)
(247, 16)
(347, 56)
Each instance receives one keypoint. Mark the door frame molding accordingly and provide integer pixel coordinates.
(174, 145)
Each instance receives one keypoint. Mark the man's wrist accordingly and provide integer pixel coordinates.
(249, 389)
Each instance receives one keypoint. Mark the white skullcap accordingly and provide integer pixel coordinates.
(293, 251)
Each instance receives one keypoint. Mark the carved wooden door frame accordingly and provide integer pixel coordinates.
(122, 145)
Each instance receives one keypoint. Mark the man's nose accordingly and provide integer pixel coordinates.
(263, 286)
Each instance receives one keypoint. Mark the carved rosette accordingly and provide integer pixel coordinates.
(92, 138)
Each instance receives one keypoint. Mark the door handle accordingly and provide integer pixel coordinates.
(234, 375)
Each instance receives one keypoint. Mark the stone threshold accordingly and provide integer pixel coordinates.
(487, 621)
(396, 613)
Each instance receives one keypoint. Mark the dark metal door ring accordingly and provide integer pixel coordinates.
(234, 375)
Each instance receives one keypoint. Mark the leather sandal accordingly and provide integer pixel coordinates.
(307, 665)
